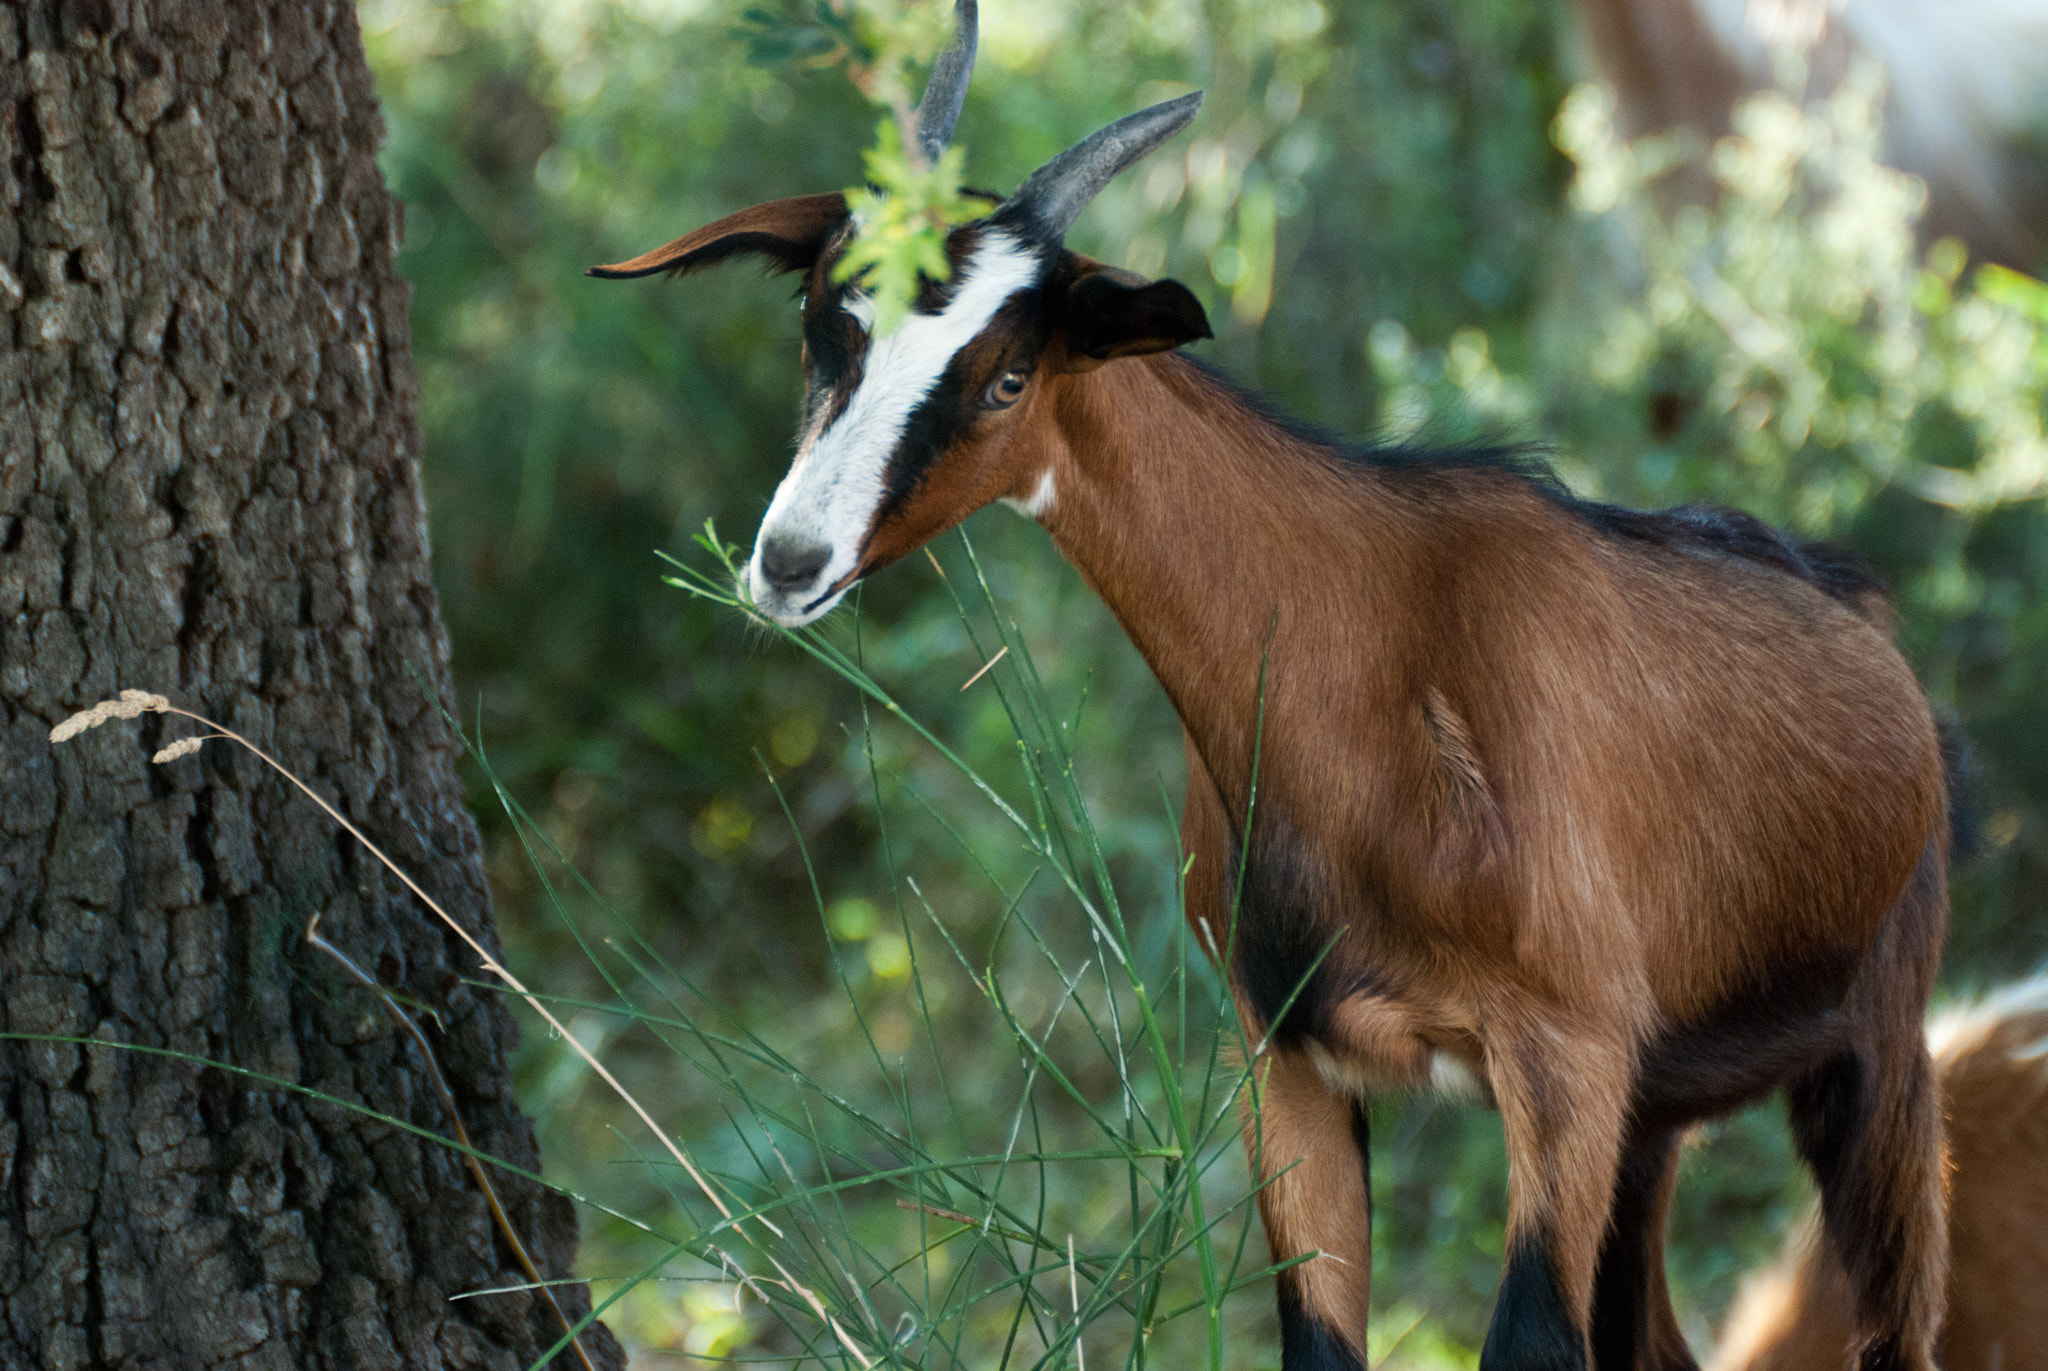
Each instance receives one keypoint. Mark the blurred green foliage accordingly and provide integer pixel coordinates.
(1403, 218)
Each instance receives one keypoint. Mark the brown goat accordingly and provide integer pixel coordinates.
(1626, 818)
(1991, 1061)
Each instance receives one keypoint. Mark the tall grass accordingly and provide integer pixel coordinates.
(1022, 1142)
(1088, 1194)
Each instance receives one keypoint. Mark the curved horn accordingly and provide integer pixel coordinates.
(946, 92)
(1058, 191)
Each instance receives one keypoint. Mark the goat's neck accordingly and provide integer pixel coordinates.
(1220, 541)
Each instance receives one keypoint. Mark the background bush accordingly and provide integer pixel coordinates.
(1402, 217)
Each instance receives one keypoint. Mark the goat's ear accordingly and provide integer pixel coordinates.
(789, 234)
(1119, 314)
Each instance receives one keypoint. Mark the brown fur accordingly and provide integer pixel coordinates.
(1461, 810)
(789, 232)
(1994, 1086)
(1298, 1130)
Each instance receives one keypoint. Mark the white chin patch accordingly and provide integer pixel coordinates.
(836, 485)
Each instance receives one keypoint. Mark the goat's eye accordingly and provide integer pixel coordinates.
(1005, 390)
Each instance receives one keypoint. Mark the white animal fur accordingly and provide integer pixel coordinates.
(1448, 1076)
(1034, 505)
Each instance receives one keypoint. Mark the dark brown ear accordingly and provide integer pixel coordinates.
(788, 233)
(1116, 314)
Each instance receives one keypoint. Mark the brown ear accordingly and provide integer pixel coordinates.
(1118, 314)
(788, 233)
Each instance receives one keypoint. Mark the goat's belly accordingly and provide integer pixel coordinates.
(1454, 1078)
(1375, 1043)
(1754, 1037)
(1444, 1073)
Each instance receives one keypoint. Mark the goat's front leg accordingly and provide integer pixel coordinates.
(1310, 1151)
(1307, 1142)
(1563, 1105)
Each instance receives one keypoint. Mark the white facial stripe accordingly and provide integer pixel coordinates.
(836, 483)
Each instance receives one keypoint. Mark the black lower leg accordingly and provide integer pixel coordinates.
(1836, 1112)
(1306, 1342)
(1532, 1329)
(1632, 1326)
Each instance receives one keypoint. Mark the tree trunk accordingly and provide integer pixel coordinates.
(209, 487)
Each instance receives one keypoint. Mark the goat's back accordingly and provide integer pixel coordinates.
(1705, 763)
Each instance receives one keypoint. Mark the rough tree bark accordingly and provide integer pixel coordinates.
(209, 487)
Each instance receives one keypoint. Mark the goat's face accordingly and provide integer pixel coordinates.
(904, 434)
(907, 433)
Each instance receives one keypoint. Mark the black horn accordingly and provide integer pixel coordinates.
(1058, 191)
(946, 92)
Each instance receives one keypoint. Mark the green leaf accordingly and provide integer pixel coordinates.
(904, 214)
(2004, 286)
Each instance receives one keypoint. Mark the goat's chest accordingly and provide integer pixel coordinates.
(1309, 932)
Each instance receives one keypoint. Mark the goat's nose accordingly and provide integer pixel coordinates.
(788, 563)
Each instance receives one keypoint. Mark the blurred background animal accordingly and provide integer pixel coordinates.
(1967, 89)
(1992, 1061)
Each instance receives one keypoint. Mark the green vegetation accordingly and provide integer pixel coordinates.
(1402, 218)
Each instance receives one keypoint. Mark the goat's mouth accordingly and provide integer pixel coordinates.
(793, 607)
(798, 616)
(831, 596)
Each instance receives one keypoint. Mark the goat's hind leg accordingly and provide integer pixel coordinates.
(1868, 1122)
(1633, 1326)
(1563, 1102)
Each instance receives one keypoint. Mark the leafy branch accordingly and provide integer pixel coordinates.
(908, 204)
(904, 214)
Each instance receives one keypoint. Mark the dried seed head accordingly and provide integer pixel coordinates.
(184, 747)
(131, 704)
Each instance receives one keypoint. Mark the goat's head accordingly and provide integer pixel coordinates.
(904, 435)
